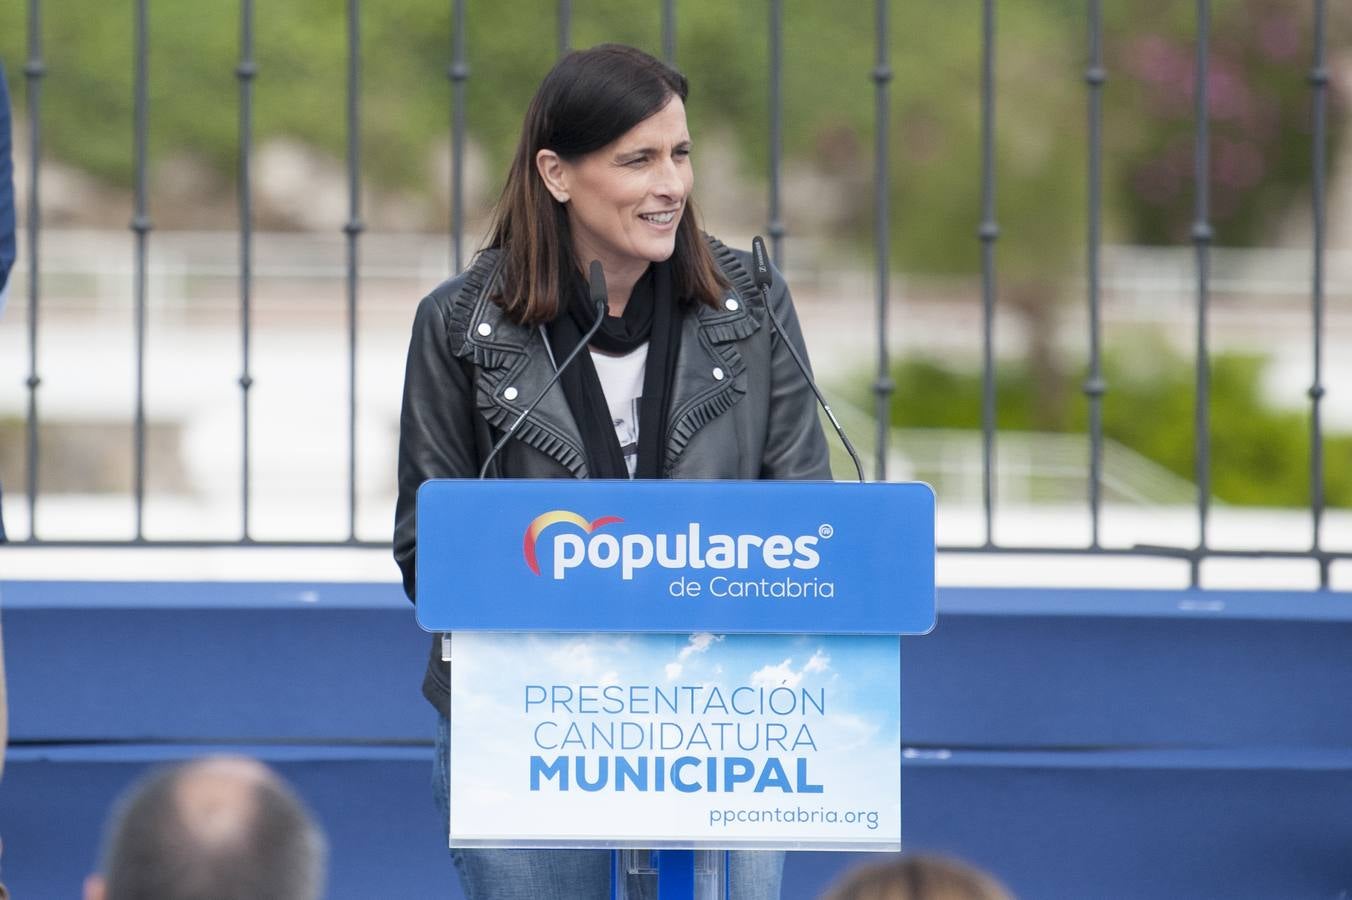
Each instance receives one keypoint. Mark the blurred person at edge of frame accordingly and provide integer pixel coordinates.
(7, 245)
(685, 379)
(921, 877)
(7, 254)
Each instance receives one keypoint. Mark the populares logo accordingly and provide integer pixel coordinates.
(554, 517)
(584, 544)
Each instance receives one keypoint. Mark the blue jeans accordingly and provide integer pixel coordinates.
(493, 874)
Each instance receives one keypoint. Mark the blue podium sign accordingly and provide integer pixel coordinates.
(675, 556)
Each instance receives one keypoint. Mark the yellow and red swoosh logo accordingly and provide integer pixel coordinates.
(554, 517)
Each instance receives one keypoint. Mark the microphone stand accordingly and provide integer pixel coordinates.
(761, 261)
(597, 292)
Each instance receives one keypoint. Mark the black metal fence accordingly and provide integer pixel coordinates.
(987, 232)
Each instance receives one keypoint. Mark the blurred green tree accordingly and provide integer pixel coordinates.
(1259, 102)
(1260, 454)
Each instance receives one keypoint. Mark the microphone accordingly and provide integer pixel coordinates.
(597, 292)
(761, 264)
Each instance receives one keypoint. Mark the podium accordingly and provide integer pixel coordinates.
(675, 670)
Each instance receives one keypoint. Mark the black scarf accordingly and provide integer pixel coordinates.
(650, 315)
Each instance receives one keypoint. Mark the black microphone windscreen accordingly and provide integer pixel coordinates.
(597, 276)
(760, 261)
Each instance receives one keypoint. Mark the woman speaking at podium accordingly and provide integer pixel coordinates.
(682, 377)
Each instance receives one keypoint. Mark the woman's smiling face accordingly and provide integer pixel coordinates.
(625, 200)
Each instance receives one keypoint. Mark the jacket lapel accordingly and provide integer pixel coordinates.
(710, 372)
(513, 367)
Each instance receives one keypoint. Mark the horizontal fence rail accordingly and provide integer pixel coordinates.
(249, 80)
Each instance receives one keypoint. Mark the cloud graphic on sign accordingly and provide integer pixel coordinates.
(784, 674)
(573, 657)
(698, 643)
(819, 662)
(555, 517)
(851, 731)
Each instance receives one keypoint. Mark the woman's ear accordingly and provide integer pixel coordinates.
(554, 174)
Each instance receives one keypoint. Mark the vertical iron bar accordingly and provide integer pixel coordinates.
(1319, 81)
(776, 225)
(1094, 386)
(565, 26)
(141, 225)
(353, 230)
(1202, 236)
(34, 69)
(458, 73)
(245, 72)
(669, 31)
(989, 232)
(882, 76)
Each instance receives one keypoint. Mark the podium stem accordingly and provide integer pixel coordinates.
(675, 874)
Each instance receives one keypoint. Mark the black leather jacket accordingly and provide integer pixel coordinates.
(740, 408)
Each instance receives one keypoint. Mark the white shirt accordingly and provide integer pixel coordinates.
(621, 380)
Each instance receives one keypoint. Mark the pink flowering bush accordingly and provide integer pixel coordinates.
(1259, 102)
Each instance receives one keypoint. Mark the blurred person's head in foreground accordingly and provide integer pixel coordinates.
(220, 828)
(921, 877)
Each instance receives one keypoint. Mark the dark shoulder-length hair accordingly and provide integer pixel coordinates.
(589, 99)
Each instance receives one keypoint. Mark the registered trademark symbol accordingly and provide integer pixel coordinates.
(825, 531)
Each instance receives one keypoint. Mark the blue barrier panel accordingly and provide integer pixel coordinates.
(374, 804)
(163, 661)
(1050, 668)
(1004, 667)
(1265, 674)
(1176, 825)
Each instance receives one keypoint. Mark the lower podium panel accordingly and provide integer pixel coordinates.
(1147, 824)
